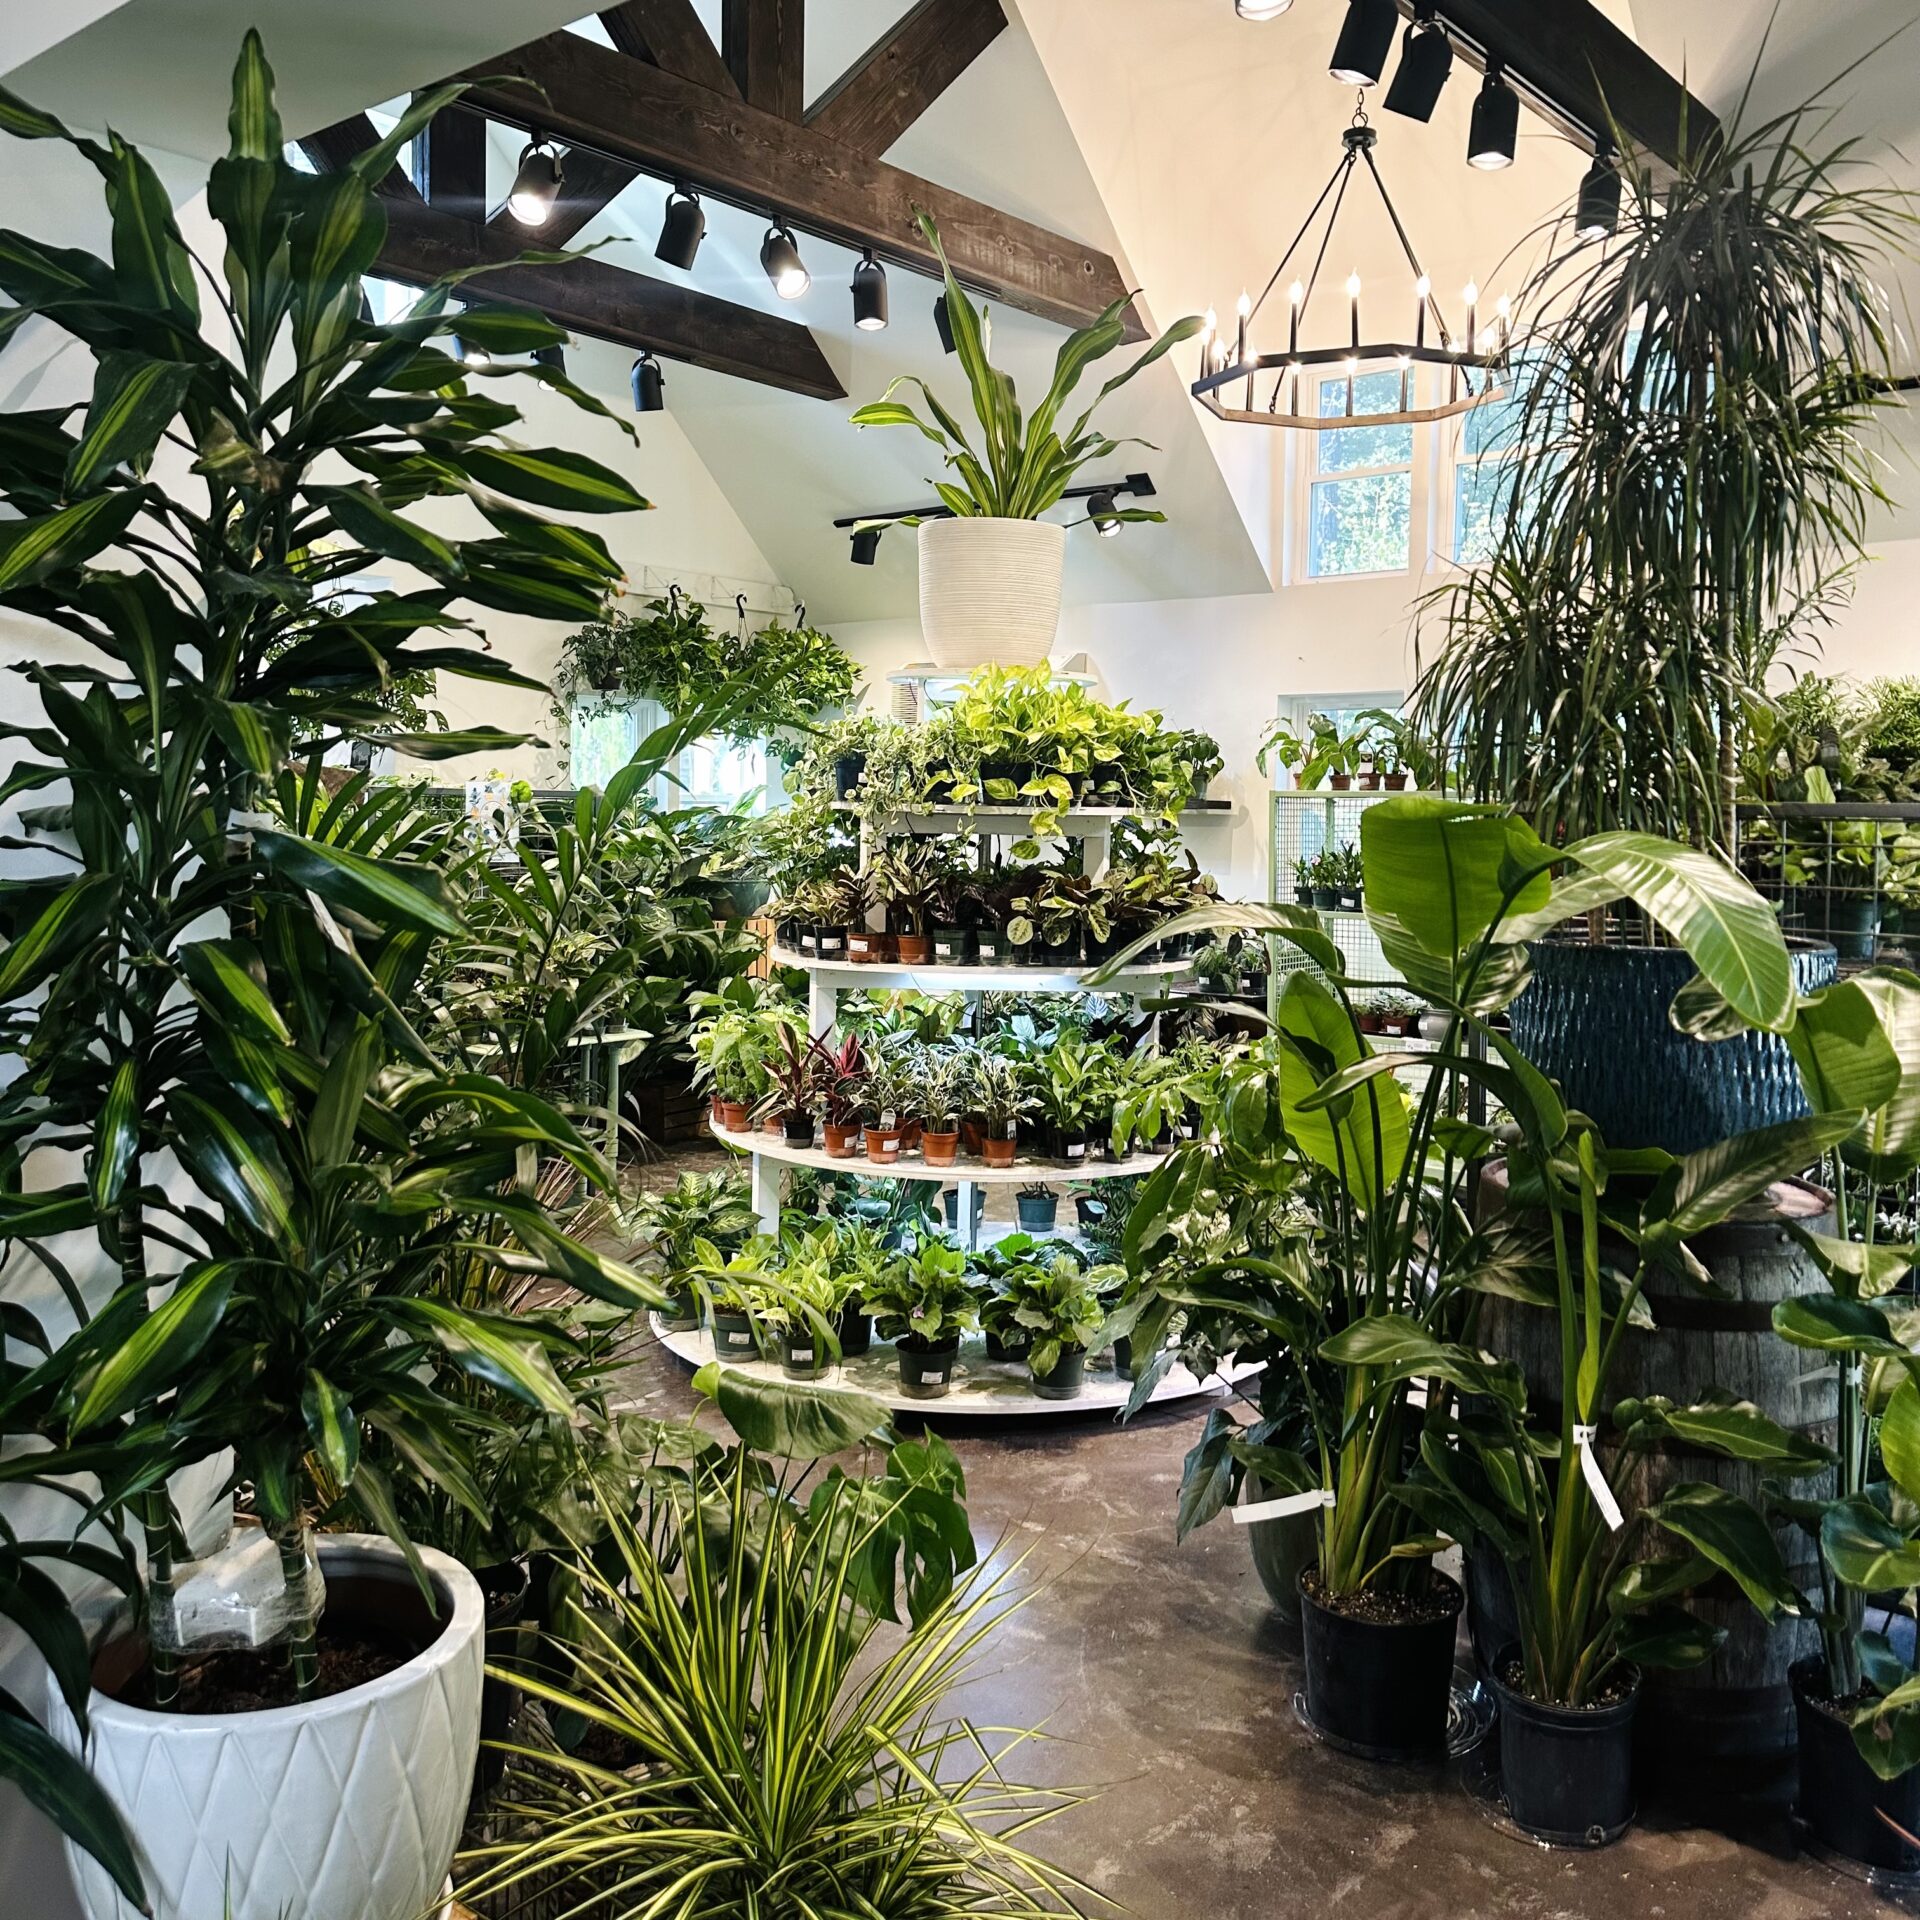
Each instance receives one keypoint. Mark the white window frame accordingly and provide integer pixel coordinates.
(1304, 474)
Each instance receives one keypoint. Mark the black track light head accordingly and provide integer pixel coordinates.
(681, 232)
(1426, 59)
(1101, 507)
(1496, 123)
(1366, 38)
(869, 294)
(1599, 209)
(554, 357)
(781, 262)
(470, 353)
(649, 385)
(942, 325)
(537, 185)
(866, 545)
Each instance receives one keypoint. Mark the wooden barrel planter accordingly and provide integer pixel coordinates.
(1730, 1721)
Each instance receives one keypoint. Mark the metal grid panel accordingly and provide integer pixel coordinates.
(1843, 871)
(1306, 824)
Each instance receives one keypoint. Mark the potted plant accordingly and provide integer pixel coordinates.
(852, 900)
(1217, 968)
(794, 1071)
(924, 1302)
(1645, 568)
(734, 1285)
(1303, 881)
(1002, 1100)
(840, 1072)
(906, 877)
(1351, 878)
(1060, 1308)
(1153, 1094)
(201, 973)
(1200, 754)
(886, 1099)
(1381, 1289)
(1007, 1340)
(802, 1301)
(714, 1207)
(957, 905)
(1324, 872)
(990, 572)
(864, 1254)
(1038, 1206)
(943, 1081)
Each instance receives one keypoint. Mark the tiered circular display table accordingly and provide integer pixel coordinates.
(981, 1388)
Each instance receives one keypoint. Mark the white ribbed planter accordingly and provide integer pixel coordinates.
(990, 591)
(346, 1809)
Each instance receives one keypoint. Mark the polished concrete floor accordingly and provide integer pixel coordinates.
(1164, 1680)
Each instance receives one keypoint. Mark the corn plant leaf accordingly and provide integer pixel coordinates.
(331, 1427)
(164, 1343)
(33, 548)
(61, 1787)
(134, 397)
(553, 477)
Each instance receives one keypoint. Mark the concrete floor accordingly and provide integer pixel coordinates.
(1164, 1679)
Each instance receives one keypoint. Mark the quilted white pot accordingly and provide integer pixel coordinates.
(990, 590)
(347, 1808)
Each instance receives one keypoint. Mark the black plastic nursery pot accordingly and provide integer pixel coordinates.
(846, 774)
(734, 1337)
(1493, 1622)
(505, 1587)
(802, 1356)
(1841, 1798)
(1000, 1348)
(856, 1332)
(1069, 1146)
(830, 943)
(926, 1372)
(797, 1129)
(681, 1313)
(1566, 1772)
(952, 946)
(950, 1201)
(1038, 1211)
(1067, 1377)
(1378, 1687)
(990, 948)
(805, 941)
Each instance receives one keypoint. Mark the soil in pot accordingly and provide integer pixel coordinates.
(926, 1372)
(940, 1149)
(1379, 1665)
(1567, 1772)
(1068, 1376)
(915, 949)
(843, 1143)
(1038, 1211)
(883, 1145)
(998, 1153)
(1841, 1798)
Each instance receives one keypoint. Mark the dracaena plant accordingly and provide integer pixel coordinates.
(1021, 463)
(1371, 1281)
(170, 956)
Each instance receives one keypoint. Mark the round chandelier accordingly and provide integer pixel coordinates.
(1475, 359)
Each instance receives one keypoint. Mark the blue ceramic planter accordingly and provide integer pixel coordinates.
(1596, 1020)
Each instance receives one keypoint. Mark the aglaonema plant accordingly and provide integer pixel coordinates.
(1364, 1281)
(189, 975)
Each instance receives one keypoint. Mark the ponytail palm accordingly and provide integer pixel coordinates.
(1018, 467)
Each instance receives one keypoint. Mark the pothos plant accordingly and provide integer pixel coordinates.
(188, 976)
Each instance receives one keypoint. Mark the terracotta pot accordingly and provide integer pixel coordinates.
(914, 949)
(734, 1116)
(713, 1108)
(862, 947)
(973, 1134)
(883, 1145)
(910, 1132)
(999, 1153)
(940, 1149)
(773, 1124)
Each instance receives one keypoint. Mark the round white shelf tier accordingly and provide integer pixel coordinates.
(981, 1387)
(936, 979)
(910, 1166)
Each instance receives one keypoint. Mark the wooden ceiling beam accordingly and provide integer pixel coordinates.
(904, 72)
(588, 296)
(332, 147)
(667, 126)
(764, 45)
(1574, 66)
(669, 34)
(450, 163)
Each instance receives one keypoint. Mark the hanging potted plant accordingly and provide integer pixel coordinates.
(924, 1303)
(990, 572)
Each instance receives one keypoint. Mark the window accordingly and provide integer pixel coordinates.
(1360, 485)
(1480, 476)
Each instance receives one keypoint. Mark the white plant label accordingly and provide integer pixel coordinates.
(1290, 1503)
(803, 1356)
(1583, 1438)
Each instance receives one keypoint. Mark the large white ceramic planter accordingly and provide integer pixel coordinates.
(345, 1809)
(990, 591)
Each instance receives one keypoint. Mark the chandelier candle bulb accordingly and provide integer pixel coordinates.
(1422, 288)
(1353, 302)
(1296, 294)
(1244, 310)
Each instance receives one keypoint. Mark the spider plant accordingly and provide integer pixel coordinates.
(1685, 475)
(795, 1763)
(1023, 463)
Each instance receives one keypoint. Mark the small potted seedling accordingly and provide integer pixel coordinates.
(841, 1074)
(1303, 881)
(906, 877)
(853, 899)
(924, 1303)
(795, 1072)
(1324, 871)
(884, 1099)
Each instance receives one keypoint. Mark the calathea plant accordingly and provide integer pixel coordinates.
(186, 975)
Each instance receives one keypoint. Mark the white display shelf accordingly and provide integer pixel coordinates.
(981, 1387)
(947, 979)
(997, 817)
(910, 1166)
